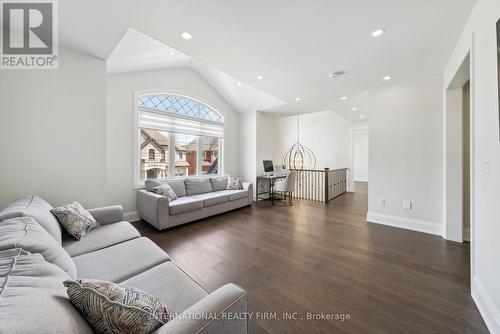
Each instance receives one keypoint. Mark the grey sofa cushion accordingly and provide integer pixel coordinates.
(100, 237)
(121, 261)
(219, 183)
(185, 204)
(33, 298)
(210, 199)
(234, 194)
(34, 206)
(197, 186)
(175, 288)
(177, 186)
(26, 233)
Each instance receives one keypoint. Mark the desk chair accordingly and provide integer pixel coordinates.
(286, 186)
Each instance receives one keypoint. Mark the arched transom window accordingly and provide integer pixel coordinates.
(180, 105)
(177, 136)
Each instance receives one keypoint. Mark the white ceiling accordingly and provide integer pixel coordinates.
(137, 52)
(294, 44)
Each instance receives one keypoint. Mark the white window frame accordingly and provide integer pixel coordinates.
(138, 183)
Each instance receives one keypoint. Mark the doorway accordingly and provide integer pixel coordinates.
(457, 122)
(359, 139)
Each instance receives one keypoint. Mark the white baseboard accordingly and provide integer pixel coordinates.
(131, 216)
(406, 223)
(360, 179)
(489, 312)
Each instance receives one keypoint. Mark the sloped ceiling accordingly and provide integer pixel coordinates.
(294, 44)
(138, 52)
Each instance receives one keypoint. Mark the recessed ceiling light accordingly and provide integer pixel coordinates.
(378, 32)
(343, 98)
(260, 77)
(361, 116)
(297, 99)
(171, 53)
(354, 109)
(186, 35)
(387, 77)
(239, 84)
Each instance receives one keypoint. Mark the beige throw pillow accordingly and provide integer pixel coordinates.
(75, 219)
(111, 308)
(164, 189)
(234, 183)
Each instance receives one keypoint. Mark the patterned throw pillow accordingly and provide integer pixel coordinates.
(164, 189)
(75, 219)
(111, 308)
(234, 183)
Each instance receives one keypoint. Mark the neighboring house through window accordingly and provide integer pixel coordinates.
(179, 128)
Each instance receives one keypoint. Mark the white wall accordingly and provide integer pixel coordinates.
(360, 154)
(406, 155)
(485, 226)
(120, 126)
(325, 133)
(268, 141)
(53, 131)
(247, 142)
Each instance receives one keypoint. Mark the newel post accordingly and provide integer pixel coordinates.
(327, 170)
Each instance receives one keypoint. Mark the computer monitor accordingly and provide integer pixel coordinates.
(268, 166)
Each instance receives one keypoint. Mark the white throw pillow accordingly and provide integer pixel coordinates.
(234, 183)
(164, 189)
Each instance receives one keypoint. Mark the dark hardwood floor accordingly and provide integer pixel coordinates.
(318, 258)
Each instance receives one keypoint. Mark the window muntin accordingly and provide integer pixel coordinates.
(180, 105)
(178, 129)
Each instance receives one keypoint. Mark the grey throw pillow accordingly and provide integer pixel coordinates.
(234, 183)
(164, 189)
(75, 219)
(111, 308)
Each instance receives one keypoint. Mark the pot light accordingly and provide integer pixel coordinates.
(354, 109)
(260, 77)
(343, 98)
(186, 35)
(239, 84)
(378, 32)
(171, 53)
(387, 77)
(297, 99)
(361, 116)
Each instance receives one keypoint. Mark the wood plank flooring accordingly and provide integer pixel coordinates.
(318, 258)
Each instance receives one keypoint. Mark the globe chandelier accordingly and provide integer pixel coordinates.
(298, 156)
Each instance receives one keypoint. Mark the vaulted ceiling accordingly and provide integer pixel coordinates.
(294, 44)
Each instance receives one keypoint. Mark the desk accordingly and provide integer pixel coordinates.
(271, 179)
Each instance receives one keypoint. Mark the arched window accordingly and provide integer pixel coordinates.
(180, 105)
(182, 129)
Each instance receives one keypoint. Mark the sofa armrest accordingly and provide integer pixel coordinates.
(248, 186)
(222, 311)
(107, 214)
(153, 208)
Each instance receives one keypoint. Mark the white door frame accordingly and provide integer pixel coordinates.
(353, 130)
(467, 55)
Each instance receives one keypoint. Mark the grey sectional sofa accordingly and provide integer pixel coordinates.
(198, 197)
(36, 256)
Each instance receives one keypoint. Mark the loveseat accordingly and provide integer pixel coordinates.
(36, 256)
(197, 198)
